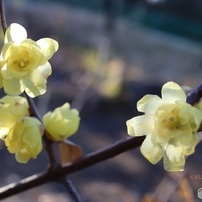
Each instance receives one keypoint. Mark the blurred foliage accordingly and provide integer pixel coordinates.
(109, 74)
(159, 16)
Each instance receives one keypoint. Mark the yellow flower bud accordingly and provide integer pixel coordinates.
(170, 125)
(25, 62)
(25, 139)
(11, 110)
(62, 122)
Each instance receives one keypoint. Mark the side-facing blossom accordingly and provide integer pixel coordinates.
(62, 122)
(170, 125)
(11, 110)
(25, 139)
(25, 65)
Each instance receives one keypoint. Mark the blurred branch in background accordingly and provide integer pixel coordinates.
(92, 76)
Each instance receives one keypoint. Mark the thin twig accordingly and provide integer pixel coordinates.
(48, 144)
(33, 109)
(87, 161)
(71, 189)
(3, 16)
(195, 95)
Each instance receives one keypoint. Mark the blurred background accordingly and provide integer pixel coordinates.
(112, 52)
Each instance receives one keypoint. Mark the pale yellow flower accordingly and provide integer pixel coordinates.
(62, 122)
(11, 110)
(26, 67)
(25, 139)
(170, 125)
(2, 63)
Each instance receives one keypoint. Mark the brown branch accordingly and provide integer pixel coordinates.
(3, 16)
(71, 189)
(87, 161)
(194, 95)
(48, 144)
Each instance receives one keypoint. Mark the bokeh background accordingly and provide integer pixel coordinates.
(112, 52)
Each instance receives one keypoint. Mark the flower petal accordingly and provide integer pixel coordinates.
(151, 150)
(31, 135)
(16, 33)
(48, 47)
(172, 92)
(45, 70)
(34, 84)
(6, 73)
(140, 125)
(188, 142)
(12, 87)
(174, 158)
(22, 156)
(149, 104)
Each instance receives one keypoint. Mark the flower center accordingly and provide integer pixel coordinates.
(167, 118)
(20, 58)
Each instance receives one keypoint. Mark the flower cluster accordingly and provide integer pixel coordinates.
(22, 134)
(24, 62)
(24, 67)
(170, 125)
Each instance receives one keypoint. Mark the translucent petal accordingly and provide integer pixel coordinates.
(6, 73)
(48, 47)
(6, 50)
(151, 150)
(32, 135)
(15, 32)
(12, 87)
(172, 92)
(174, 158)
(188, 142)
(45, 70)
(196, 120)
(149, 104)
(34, 83)
(140, 125)
(22, 157)
(46, 118)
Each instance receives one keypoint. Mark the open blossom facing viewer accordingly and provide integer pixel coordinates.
(24, 62)
(170, 125)
(62, 122)
(25, 139)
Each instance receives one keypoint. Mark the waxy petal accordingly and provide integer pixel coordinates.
(140, 125)
(45, 70)
(188, 142)
(12, 87)
(48, 47)
(151, 150)
(16, 33)
(34, 84)
(149, 104)
(172, 92)
(174, 158)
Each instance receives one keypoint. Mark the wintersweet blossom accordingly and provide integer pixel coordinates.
(62, 122)
(11, 110)
(25, 65)
(170, 125)
(25, 139)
